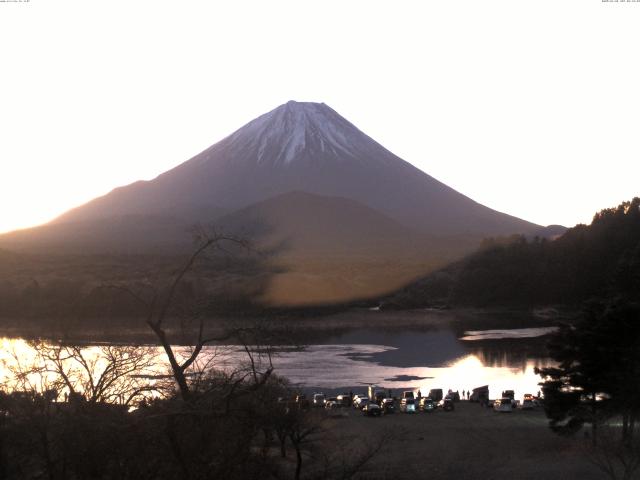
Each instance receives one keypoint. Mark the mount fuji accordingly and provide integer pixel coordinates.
(305, 147)
(356, 219)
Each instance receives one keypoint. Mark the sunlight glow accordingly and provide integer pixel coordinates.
(470, 92)
(327, 366)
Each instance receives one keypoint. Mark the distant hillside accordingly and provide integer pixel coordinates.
(595, 261)
(305, 222)
(332, 249)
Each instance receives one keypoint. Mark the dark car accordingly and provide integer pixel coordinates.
(480, 395)
(508, 394)
(388, 406)
(527, 404)
(435, 394)
(426, 405)
(332, 403)
(319, 399)
(447, 404)
(371, 410)
(302, 401)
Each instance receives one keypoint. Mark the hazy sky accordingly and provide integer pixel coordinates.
(529, 107)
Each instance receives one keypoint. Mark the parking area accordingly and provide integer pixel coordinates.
(470, 442)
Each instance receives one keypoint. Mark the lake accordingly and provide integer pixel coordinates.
(503, 359)
(455, 355)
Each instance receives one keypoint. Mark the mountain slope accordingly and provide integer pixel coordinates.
(304, 147)
(332, 249)
(132, 233)
(305, 222)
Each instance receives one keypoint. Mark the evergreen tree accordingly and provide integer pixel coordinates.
(598, 372)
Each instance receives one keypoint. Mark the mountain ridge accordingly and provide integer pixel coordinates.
(234, 173)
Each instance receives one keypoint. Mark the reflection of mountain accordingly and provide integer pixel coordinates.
(435, 348)
(441, 348)
(510, 353)
(510, 333)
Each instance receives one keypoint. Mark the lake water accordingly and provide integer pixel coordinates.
(504, 360)
(447, 358)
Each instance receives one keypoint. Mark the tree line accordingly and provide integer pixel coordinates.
(600, 260)
(46, 290)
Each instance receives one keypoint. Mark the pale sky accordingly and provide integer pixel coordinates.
(529, 107)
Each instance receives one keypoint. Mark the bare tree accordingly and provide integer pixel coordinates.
(117, 374)
(158, 302)
(302, 431)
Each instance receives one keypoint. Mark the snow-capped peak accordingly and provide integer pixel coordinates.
(278, 137)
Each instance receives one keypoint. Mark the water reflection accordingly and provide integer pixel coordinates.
(425, 359)
(410, 348)
(420, 359)
(344, 366)
(444, 347)
(475, 335)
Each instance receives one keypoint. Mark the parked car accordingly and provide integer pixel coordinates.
(447, 404)
(408, 405)
(535, 401)
(360, 402)
(426, 404)
(332, 403)
(527, 404)
(509, 394)
(435, 394)
(480, 395)
(302, 401)
(344, 399)
(319, 399)
(504, 405)
(371, 410)
(388, 405)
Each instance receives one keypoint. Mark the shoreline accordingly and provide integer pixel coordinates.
(300, 330)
